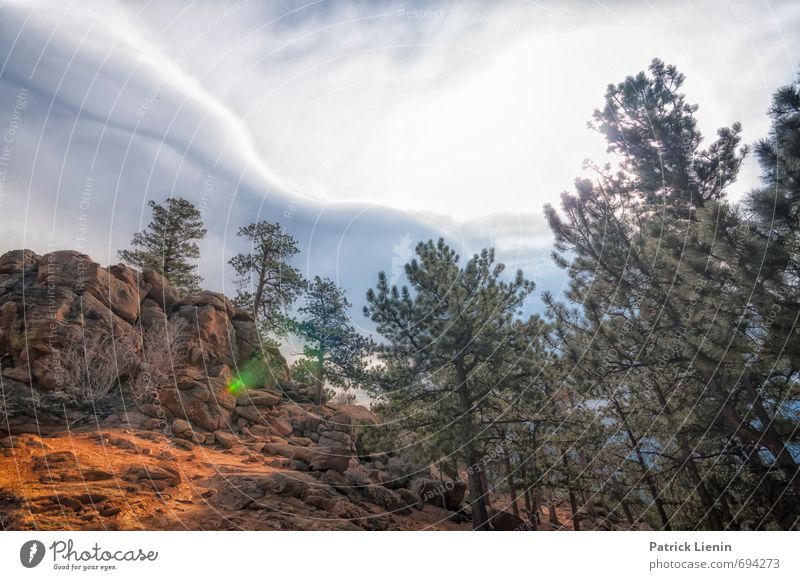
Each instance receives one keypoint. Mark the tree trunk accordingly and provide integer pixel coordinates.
(257, 297)
(320, 377)
(526, 494)
(512, 490)
(552, 514)
(648, 476)
(588, 502)
(770, 437)
(443, 488)
(628, 513)
(480, 517)
(573, 504)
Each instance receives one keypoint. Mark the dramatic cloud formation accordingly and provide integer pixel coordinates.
(362, 126)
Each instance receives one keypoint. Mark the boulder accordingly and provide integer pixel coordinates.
(387, 499)
(226, 439)
(410, 499)
(18, 262)
(281, 427)
(258, 398)
(159, 290)
(503, 521)
(201, 405)
(431, 491)
(212, 340)
(180, 426)
(251, 413)
(333, 458)
(81, 274)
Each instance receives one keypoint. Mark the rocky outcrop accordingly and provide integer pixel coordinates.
(63, 298)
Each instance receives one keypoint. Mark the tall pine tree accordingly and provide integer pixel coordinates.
(169, 244)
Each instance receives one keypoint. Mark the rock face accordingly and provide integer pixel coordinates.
(52, 301)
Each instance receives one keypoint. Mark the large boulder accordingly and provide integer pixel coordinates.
(206, 404)
(503, 521)
(81, 274)
(333, 458)
(449, 493)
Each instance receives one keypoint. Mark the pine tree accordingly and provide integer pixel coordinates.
(169, 244)
(448, 336)
(267, 283)
(671, 318)
(338, 349)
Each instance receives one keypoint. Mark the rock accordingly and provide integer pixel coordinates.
(385, 498)
(503, 521)
(338, 422)
(251, 413)
(206, 298)
(109, 510)
(208, 407)
(17, 374)
(357, 477)
(334, 458)
(299, 465)
(258, 398)
(92, 474)
(334, 437)
(18, 262)
(79, 273)
(211, 341)
(152, 473)
(227, 440)
(410, 499)
(399, 473)
(431, 492)
(159, 289)
(183, 444)
(287, 450)
(68, 291)
(281, 427)
(270, 490)
(258, 430)
(180, 426)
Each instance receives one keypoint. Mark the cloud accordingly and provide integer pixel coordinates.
(356, 124)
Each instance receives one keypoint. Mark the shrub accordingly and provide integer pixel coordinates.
(163, 352)
(88, 370)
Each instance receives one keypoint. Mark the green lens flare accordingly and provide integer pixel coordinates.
(236, 386)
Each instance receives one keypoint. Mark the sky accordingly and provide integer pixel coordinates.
(363, 127)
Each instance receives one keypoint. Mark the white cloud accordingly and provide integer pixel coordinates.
(468, 116)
